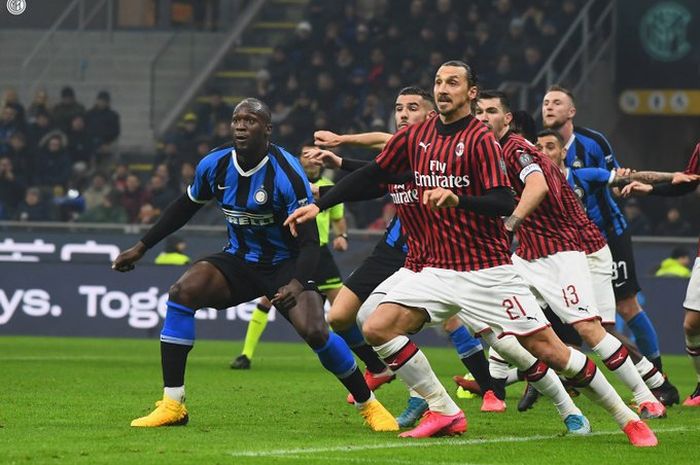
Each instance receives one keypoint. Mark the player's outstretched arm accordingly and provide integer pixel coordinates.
(533, 194)
(622, 178)
(499, 201)
(374, 140)
(175, 216)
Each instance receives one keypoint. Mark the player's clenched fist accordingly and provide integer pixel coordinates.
(326, 139)
(125, 260)
(440, 198)
(301, 215)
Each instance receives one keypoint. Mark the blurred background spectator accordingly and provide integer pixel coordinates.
(677, 265)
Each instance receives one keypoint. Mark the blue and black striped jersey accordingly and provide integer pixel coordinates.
(590, 149)
(394, 237)
(255, 203)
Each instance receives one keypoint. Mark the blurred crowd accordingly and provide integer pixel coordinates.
(340, 70)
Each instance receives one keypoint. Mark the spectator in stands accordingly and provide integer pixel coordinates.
(264, 90)
(674, 224)
(331, 42)
(362, 45)
(174, 252)
(453, 44)
(11, 98)
(186, 138)
(11, 189)
(33, 207)
(41, 126)
(676, 266)
(186, 176)
(148, 214)
(108, 210)
(212, 112)
(53, 163)
(298, 48)
(203, 148)
(637, 222)
(9, 124)
(98, 190)
(279, 67)
(222, 134)
(80, 144)
(532, 61)
(102, 122)
(160, 193)
(64, 111)
(22, 157)
(40, 103)
(133, 197)
(121, 173)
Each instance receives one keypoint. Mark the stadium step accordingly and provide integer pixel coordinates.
(237, 74)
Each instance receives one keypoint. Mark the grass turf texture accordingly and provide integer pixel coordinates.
(71, 401)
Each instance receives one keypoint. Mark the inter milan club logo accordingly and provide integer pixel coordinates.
(260, 196)
(16, 7)
(459, 150)
(664, 31)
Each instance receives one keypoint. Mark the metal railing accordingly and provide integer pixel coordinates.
(584, 44)
(193, 83)
(47, 50)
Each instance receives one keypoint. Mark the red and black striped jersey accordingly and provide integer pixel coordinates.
(694, 168)
(464, 157)
(592, 240)
(549, 229)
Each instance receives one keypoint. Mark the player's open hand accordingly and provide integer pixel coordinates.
(440, 198)
(636, 188)
(680, 178)
(301, 215)
(324, 158)
(125, 260)
(286, 296)
(326, 139)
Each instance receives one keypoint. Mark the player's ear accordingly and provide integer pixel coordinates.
(473, 92)
(509, 118)
(268, 129)
(572, 111)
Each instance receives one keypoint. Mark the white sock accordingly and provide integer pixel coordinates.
(599, 389)
(175, 393)
(549, 385)
(498, 366)
(692, 344)
(360, 405)
(413, 368)
(645, 369)
(513, 376)
(617, 360)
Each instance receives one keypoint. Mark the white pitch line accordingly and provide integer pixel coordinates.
(425, 444)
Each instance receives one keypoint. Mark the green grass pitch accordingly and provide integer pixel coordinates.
(70, 401)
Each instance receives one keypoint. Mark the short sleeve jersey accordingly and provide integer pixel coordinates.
(254, 203)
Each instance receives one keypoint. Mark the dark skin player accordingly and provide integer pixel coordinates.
(203, 285)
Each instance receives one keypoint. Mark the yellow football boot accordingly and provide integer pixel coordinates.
(377, 417)
(168, 412)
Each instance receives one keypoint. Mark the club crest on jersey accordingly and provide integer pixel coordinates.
(459, 150)
(577, 163)
(260, 196)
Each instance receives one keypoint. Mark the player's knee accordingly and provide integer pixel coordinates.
(374, 331)
(451, 324)
(339, 319)
(628, 307)
(180, 293)
(590, 331)
(691, 326)
(314, 335)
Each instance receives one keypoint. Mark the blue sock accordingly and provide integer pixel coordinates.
(178, 327)
(465, 343)
(353, 336)
(336, 357)
(645, 335)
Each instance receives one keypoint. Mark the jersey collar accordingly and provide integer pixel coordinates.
(452, 128)
(570, 142)
(251, 171)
